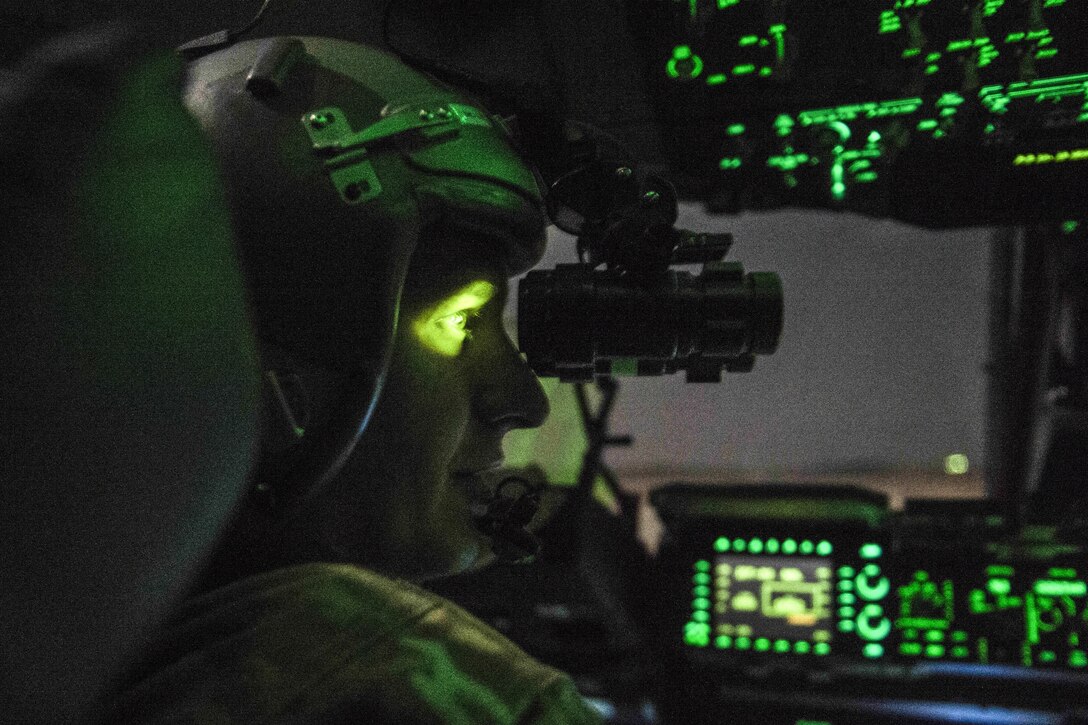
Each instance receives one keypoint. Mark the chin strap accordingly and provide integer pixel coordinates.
(507, 514)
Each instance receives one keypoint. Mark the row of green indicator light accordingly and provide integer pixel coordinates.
(757, 545)
(764, 644)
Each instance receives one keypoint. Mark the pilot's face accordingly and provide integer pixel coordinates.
(456, 385)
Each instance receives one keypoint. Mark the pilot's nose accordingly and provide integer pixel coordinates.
(508, 394)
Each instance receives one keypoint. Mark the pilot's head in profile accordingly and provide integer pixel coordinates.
(378, 216)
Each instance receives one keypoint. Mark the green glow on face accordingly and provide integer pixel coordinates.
(955, 464)
(444, 327)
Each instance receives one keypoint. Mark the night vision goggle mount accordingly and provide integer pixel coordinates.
(637, 316)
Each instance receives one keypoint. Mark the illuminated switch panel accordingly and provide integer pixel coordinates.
(771, 595)
(1025, 614)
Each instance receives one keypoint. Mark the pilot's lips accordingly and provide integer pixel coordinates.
(475, 481)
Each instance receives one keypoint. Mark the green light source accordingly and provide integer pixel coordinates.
(702, 565)
(716, 80)
(772, 546)
(684, 65)
(755, 546)
(789, 546)
(738, 544)
(822, 648)
(735, 129)
(955, 464)
(870, 551)
(762, 644)
(873, 650)
(807, 547)
(802, 647)
(723, 641)
(721, 544)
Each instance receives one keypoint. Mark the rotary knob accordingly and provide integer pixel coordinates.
(872, 624)
(870, 585)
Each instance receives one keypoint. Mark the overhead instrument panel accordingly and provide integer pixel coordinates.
(940, 112)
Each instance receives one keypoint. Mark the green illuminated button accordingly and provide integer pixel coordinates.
(870, 551)
(846, 572)
(846, 612)
(696, 634)
(870, 588)
(743, 643)
(807, 547)
(872, 624)
(700, 603)
(700, 616)
(935, 635)
(847, 598)
(934, 650)
(846, 625)
(721, 544)
(772, 546)
(700, 591)
(696, 640)
(910, 648)
(702, 565)
(755, 546)
(789, 546)
(873, 650)
(738, 544)
(822, 648)
(763, 644)
(801, 648)
(959, 636)
(1078, 658)
(781, 645)
(723, 641)
(824, 548)
(846, 585)
(684, 65)
(701, 578)
(960, 651)
(1047, 656)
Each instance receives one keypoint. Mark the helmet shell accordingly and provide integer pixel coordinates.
(336, 157)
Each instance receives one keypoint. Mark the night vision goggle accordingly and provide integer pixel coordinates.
(637, 316)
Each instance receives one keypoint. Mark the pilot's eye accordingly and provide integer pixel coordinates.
(445, 327)
(459, 324)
